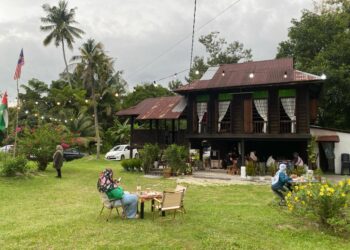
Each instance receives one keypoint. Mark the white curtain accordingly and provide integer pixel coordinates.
(261, 107)
(289, 107)
(223, 107)
(201, 109)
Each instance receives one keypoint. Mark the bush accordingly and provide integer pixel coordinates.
(14, 165)
(40, 144)
(325, 202)
(176, 157)
(299, 170)
(272, 169)
(148, 155)
(250, 169)
(132, 164)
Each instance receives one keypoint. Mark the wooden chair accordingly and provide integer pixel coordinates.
(171, 201)
(111, 204)
(180, 188)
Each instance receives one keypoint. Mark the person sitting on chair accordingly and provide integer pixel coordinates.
(114, 191)
(297, 161)
(280, 182)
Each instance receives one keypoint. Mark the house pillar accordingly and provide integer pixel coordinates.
(242, 146)
(132, 121)
(172, 131)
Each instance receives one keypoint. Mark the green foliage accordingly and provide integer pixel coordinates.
(220, 52)
(148, 155)
(311, 151)
(174, 84)
(250, 168)
(144, 91)
(319, 43)
(176, 157)
(41, 143)
(272, 169)
(299, 170)
(132, 164)
(10, 166)
(325, 202)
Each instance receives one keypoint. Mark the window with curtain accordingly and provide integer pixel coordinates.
(202, 108)
(261, 106)
(288, 105)
(223, 108)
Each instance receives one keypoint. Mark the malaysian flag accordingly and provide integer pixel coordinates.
(19, 66)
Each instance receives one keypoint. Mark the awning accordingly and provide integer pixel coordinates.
(327, 138)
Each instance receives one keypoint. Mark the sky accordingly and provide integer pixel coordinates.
(140, 34)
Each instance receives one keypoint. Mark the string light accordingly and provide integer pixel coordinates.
(251, 75)
(36, 102)
(116, 95)
(86, 100)
(27, 112)
(197, 72)
(223, 73)
(42, 118)
(58, 103)
(323, 77)
(285, 75)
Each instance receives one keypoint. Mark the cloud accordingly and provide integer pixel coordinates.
(137, 31)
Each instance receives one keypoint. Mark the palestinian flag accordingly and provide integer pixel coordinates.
(4, 119)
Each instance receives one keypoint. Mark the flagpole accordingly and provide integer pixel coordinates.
(15, 144)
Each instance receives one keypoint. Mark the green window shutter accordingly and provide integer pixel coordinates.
(286, 93)
(260, 94)
(202, 98)
(225, 97)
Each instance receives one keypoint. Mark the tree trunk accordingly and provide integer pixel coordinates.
(97, 132)
(65, 62)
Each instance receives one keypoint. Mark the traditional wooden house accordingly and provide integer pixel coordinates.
(264, 106)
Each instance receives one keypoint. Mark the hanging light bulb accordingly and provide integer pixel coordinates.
(323, 77)
(223, 73)
(197, 72)
(26, 111)
(155, 84)
(58, 103)
(175, 75)
(71, 119)
(70, 101)
(65, 121)
(36, 115)
(42, 118)
(36, 102)
(285, 75)
(251, 75)
(86, 100)
(116, 94)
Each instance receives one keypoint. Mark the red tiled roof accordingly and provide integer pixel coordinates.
(159, 108)
(265, 72)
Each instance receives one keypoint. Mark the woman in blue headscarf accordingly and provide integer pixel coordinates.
(279, 181)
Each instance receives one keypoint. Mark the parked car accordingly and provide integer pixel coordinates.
(121, 152)
(72, 154)
(6, 149)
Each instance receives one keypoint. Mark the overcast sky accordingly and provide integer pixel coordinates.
(135, 32)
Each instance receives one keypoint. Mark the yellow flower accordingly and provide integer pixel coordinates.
(296, 187)
(348, 181)
(296, 198)
(289, 194)
(343, 195)
(303, 202)
(341, 183)
(321, 193)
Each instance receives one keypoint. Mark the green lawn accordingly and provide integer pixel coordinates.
(43, 212)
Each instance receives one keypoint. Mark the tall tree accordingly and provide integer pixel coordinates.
(59, 22)
(95, 65)
(174, 84)
(319, 43)
(219, 52)
(144, 91)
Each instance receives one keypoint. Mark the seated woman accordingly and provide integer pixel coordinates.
(297, 161)
(280, 182)
(113, 190)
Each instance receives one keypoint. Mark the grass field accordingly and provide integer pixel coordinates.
(43, 212)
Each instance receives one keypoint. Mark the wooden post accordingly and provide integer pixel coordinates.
(132, 120)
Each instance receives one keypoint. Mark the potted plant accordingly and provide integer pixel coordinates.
(250, 170)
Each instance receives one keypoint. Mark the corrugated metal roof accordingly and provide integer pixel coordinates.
(252, 74)
(159, 108)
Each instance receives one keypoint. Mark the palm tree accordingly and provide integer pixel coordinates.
(95, 65)
(59, 22)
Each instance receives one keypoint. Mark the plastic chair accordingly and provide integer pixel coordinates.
(345, 162)
(111, 204)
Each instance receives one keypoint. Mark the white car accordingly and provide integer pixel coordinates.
(121, 152)
(6, 148)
